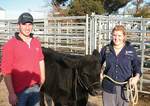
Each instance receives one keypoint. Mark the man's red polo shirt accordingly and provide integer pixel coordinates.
(22, 61)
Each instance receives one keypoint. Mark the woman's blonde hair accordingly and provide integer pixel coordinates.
(119, 28)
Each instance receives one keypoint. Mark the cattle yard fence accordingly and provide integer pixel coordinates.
(82, 34)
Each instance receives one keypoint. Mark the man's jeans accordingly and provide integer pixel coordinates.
(29, 97)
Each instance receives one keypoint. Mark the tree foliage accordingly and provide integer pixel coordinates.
(82, 7)
(113, 5)
(141, 10)
(58, 2)
(144, 12)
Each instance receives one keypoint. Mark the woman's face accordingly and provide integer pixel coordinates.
(118, 38)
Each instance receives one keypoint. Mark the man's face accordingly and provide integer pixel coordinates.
(25, 29)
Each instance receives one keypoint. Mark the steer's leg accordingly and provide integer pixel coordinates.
(48, 100)
(58, 104)
(42, 99)
(82, 102)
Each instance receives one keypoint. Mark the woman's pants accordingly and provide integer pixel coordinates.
(117, 99)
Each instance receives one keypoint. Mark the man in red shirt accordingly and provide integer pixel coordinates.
(23, 65)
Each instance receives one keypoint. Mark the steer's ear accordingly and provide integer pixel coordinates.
(96, 53)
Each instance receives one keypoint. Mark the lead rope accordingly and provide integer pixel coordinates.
(76, 79)
(132, 93)
(132, 90)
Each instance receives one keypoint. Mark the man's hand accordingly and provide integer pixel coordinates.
(13, 99)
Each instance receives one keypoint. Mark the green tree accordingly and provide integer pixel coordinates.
(112, 6)
(144, 12)
(82, 7)
(56, 6)
(58, 2)
(140, 9)
(137, 3)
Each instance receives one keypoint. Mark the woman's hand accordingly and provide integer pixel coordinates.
(134, 80)
(101, 76)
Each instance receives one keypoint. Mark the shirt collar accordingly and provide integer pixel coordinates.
(127, 43)
(19, 38)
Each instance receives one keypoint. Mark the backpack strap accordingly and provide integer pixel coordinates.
(107, 51)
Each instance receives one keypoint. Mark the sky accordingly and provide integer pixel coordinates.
(14, 8)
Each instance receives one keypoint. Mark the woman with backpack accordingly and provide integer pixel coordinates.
(122, 65)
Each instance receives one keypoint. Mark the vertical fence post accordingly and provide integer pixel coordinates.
(87, 35)
(100, 33)
(142, 54)
(46, 32)
(92, 33)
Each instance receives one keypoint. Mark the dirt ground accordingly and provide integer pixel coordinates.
(3, 95)
(144, 100)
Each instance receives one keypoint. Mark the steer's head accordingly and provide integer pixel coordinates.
(89, 73)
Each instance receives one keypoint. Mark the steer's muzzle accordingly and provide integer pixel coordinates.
(95, 90)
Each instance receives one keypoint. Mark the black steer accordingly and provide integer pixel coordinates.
(70, 78)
